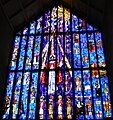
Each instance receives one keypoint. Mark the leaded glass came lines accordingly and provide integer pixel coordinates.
(58, 70)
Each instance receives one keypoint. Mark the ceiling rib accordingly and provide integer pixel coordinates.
(5, 1)
(87, 12)
(23, 11)
(28, 9)
(92, 6)
(9, 22)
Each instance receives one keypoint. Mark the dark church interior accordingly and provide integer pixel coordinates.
(16, 14)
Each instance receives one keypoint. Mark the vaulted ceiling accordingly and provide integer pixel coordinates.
(19, 12)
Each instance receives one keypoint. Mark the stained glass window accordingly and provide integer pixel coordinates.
(58, 70)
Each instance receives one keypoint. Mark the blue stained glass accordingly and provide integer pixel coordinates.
(51, 93)
(43, 95)
(29, 53)
(105, 94)
(100, 52)
(97, 95)
(24, 98)
(54, 45)
(51, 78)
(22, 53)
(82, 25)
(89, 27)
(67, 20)
(79, 105)
(60, 19)
(92, 51)
(45, 48)
(66, 80)
(54, 19)
(16, 95)
(68, 95)
(52, 55)
(74, 23)
(60, 51)
(15, 53)
(33, 94)
(68, 53)
(46, 28)
(36, 52)
(87, 95)
(25, 31)
(60, 94)
(32, 27)
(8, 94)
(84, 51)
(39, 25)
(76, 51)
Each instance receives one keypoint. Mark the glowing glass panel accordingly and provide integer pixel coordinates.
(39, 25)
(100, 51)
(105, 94)
(74, 23)
(60, 95)
(32, 28)
(84, 51)
(76, 51)
(79, 105)
(29, 53)
(22, 53)
(54, 19)
(67, 20)
(97, 94)
(43, 95)
(60, 19)
(92, 50)
(36, 52)
(46, 28)
(33, 94)
(15, 53)
(87, 95)
(8, 97)
(24, 96)
(25, 30)
(16, 95)
(82, 25)
(58, 70)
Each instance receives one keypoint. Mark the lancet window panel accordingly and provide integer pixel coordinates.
(58, 70)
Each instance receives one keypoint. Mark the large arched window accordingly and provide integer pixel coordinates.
(58, 70)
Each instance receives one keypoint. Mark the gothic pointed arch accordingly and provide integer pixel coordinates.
(58, 70)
